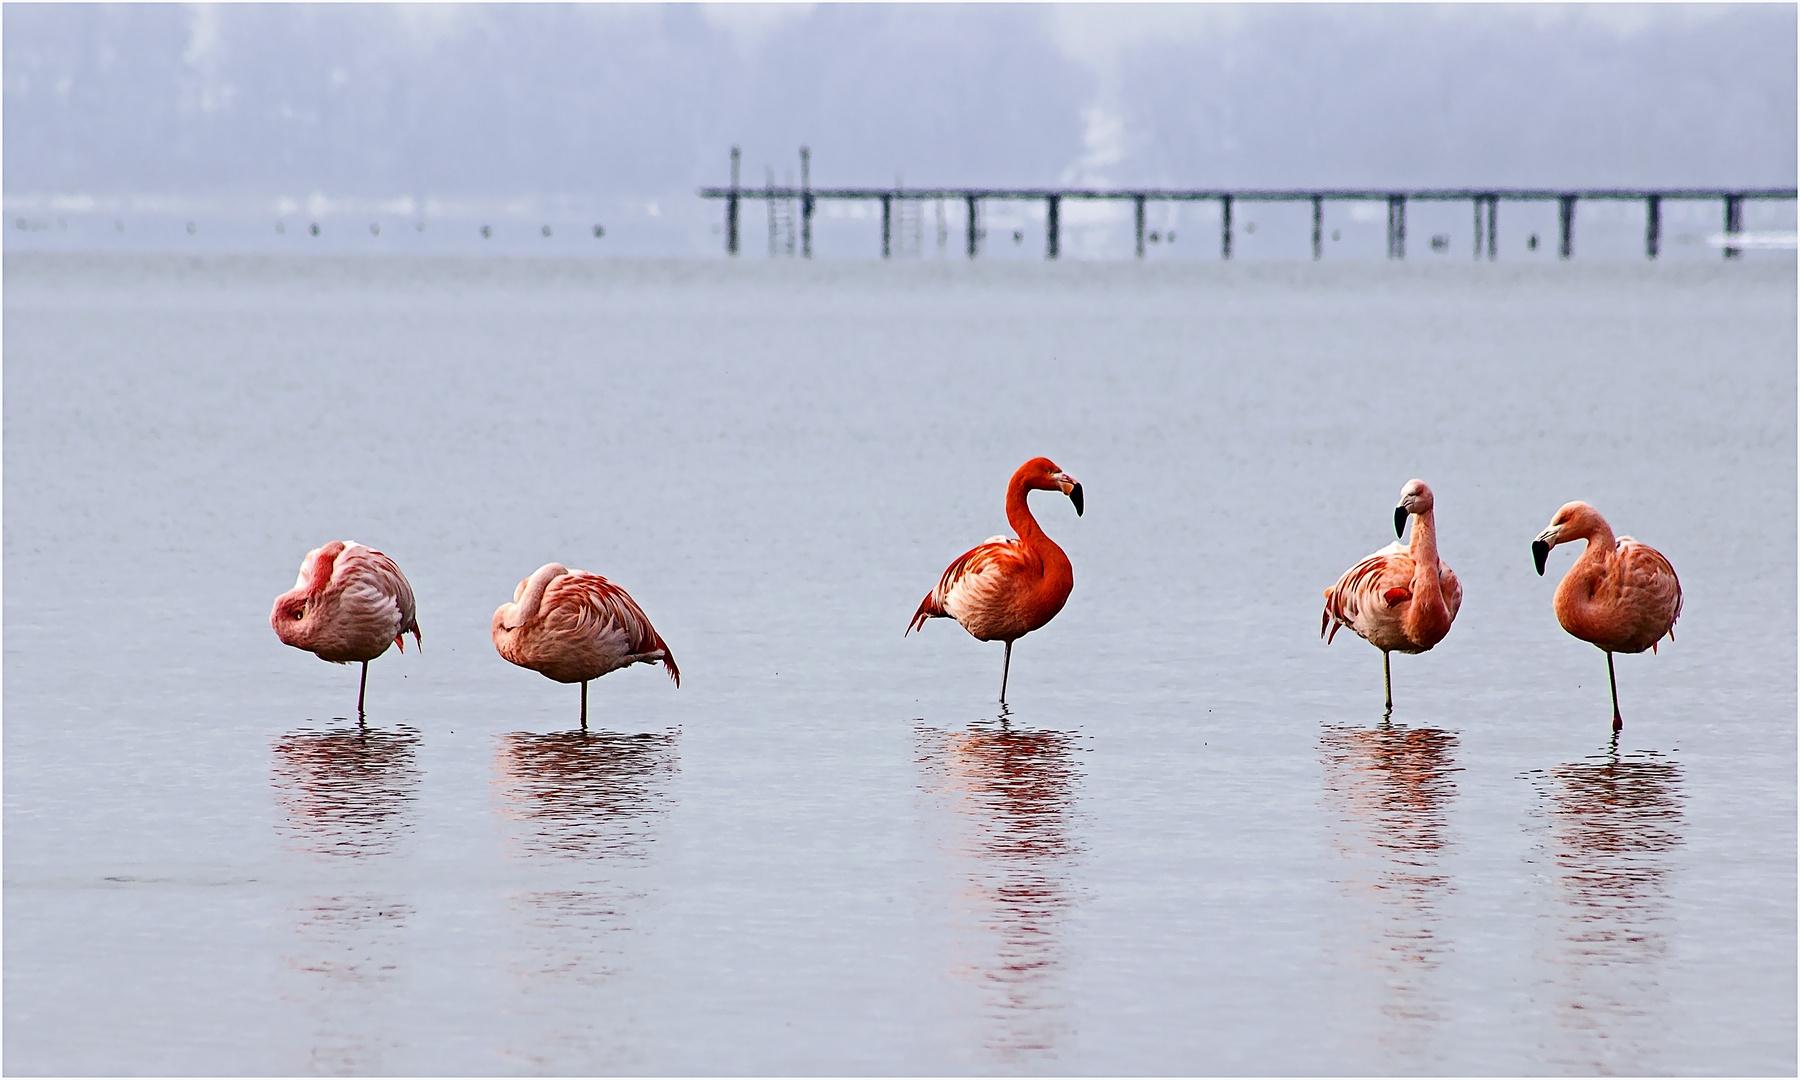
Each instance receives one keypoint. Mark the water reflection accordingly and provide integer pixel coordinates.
(1388, 791)
(346, 797)
(584, 794)
(582, 811)
(346, 792)
(1613, 819)
(1010, 797)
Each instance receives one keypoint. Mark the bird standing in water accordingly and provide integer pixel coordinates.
(1004, 588)
(349, 603)
(1621, 595)
(1400, 599)
(573, 626)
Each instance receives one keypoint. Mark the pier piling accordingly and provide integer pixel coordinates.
(1652, 226)
(1138, 206)
(1225, 227)
(1565, 213)
(1052, 213)
(887, 226)
(1318, 227)
(806, 202)
(731, 207)
(1734, 224)
(1396, 227)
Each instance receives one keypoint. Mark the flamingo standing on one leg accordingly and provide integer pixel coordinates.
(1620, 595)
(573, 626)
(1400, 599)
(349, 602)
(1006, 588)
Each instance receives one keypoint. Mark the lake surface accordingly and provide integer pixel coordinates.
(1191, 845)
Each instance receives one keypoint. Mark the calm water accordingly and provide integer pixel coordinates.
(1192, 845)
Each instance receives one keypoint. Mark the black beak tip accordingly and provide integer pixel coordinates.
(1539, 552)
(1399, 521)
(1075, 497)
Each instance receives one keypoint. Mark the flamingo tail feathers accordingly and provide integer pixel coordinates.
(928, 609)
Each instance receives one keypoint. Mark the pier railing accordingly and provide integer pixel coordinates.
(1485, 202)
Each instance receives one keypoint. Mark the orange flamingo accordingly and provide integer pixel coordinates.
(1621, 595)
(349, 602)
(573, 626)
(1004, 589)
(1400, 599)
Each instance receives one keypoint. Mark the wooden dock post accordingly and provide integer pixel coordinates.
(1734, 223)
(1565, 213)
(1052, 216)
(806, 202)
(1318, 227)
(1225, 227)
(974, 229)
(1139, 201)
(1396, 226)
(1478, 209)
(1652, 226)
(1493, 212)
(731, 207)
(887, 225)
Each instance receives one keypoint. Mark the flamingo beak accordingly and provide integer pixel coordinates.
(1072, 488)
(1540, 548)
(1400, 516)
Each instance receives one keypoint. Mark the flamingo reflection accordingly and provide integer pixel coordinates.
(346, 797)
(582, 811)
(346, 791)
(1011, 801)
(1614, 819)
(1389, 790)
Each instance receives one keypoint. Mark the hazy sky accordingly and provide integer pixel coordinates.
(370, 101)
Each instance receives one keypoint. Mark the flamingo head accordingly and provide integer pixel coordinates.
(1415, 498)
(1574, 521)
(290, 616)
(1043, 475)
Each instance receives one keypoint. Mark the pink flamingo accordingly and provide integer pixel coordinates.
(348, 604)
(1400, 599)
(1003, 589)
(1621, 595)
(573, 626)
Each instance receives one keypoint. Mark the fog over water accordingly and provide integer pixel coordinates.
(519, 115)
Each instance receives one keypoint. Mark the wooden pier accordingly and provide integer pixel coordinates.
(1485, 201)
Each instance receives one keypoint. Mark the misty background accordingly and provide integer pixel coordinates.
(619, 112)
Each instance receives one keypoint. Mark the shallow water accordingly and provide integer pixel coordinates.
(1191, 845)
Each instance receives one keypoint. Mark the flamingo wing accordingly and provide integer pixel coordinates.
(371, 586)
(1645, 570)
(579, 606)
(1368, 590)
(977, 580)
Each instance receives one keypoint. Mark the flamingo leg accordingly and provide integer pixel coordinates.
(1387, 680)
(1005, 667)
(361, 690)
(1618, 721)
(584, 704)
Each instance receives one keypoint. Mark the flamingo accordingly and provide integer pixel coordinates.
(573, 626)
(1620, 595)
(1004, 588)
(349, 602)
(1400, 598)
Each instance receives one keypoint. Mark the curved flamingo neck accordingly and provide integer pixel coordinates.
(527, 607)
(1018, 511)
(1429, 604)
(1599, 535)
